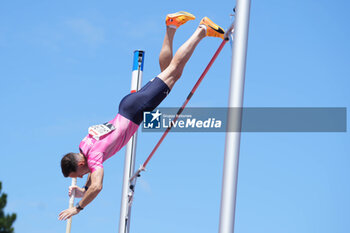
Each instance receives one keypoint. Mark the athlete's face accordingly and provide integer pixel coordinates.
(82, 169)
(76, 174)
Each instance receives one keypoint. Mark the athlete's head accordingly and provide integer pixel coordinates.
(74, 165)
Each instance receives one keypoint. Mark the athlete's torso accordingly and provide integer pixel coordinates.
(96, 151)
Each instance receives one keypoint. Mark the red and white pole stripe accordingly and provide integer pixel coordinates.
(181, 109)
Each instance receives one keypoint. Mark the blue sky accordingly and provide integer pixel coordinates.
(55, 55)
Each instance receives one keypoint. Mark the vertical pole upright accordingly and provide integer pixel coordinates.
(129, 164)
(71, 204)
(234, 117)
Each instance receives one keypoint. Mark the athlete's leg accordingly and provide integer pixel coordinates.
(166, 53)
(173, 72)
(153, 93)
(172, 21)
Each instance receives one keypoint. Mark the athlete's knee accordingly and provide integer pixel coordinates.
(174, 71)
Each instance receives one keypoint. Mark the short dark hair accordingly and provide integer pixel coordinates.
(69, 164)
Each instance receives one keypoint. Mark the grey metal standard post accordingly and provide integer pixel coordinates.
(129, 164)
(232, 143)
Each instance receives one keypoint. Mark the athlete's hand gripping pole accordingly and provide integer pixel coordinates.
(71, 204)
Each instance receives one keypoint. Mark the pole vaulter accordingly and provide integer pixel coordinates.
(105, 140)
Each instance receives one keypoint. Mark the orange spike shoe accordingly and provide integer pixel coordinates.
(213, 29)
(175, 20)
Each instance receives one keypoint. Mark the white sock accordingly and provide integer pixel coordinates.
(172, 26)
(203, 26)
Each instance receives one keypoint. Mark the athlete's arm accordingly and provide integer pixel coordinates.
(88, 181)
(96, 181)
(80, 192)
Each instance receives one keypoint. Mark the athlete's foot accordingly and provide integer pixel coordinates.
(213, 29)
(175, 20)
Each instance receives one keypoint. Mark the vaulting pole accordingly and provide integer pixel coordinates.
(71, 204)
(129, 164)
(232, 144)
